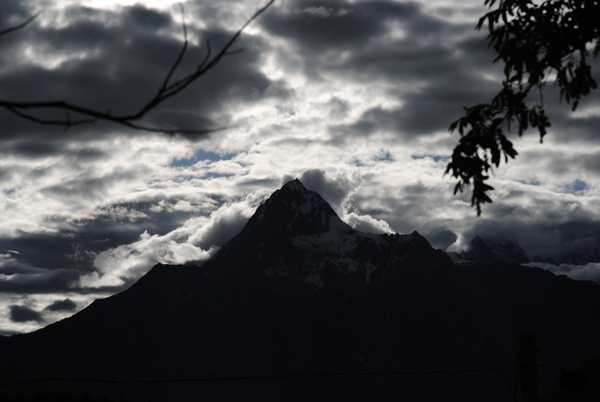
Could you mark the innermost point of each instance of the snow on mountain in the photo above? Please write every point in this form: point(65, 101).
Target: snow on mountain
point(293, 209)
point(489, 250)
point(485, 249)
point(301, 229)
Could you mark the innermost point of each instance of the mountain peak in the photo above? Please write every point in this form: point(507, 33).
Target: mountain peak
point(293, 209)
point(485, 249)
point(294, 185)
point(477, 239)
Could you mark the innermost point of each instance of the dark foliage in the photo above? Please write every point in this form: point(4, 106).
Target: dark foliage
point(535, 41)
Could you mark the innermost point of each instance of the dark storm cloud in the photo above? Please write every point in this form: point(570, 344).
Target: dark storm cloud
point(419, 56)
point(338, 108)
point(43, 281)
point(62, 305)
point(39, 250)
point(370, 122)
point(43, 263)
point(353, 40)
point(254, 184)
point(24, 314)
point(89, 188)
point(69, 250)
point(333, 190)
point(566, 130)
point(441, 238)
point(591, 161)
point(19, 277)
point(411, 203)
point(222, 228)
point(29, 149)
point(77, 249)
point(430, 108)
point(426, 113)
point(12, 13)
point(557, 163)
point(409, 207)
point(337, 25)
point(122, 58)
point(131, 222)
point(145, 18)
point(322, 33)
point(77, 246)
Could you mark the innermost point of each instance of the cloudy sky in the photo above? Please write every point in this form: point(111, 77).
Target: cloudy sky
point(352, 97)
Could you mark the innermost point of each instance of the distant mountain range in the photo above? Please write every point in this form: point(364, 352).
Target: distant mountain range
point(298, 294)
point(489, 250)
point(580, 257)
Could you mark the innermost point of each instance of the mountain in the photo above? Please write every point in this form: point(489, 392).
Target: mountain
point(580, 257)
point(488, 250)
point(300, 291)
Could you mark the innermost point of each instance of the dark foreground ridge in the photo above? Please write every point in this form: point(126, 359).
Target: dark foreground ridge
point(300, 291)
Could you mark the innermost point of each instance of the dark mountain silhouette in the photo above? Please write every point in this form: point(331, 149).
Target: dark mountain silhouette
point(298, 290)
point(488, 250)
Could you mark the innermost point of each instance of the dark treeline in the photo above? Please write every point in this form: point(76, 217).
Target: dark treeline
point(42, 396)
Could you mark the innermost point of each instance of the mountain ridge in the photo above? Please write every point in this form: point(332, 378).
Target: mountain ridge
point(484, 249)
point(299, 290)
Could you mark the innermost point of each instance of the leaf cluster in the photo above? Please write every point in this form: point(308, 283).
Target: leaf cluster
point(535, 42)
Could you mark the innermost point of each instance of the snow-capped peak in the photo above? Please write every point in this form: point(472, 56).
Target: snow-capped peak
point(293, 209)
point(295, 185)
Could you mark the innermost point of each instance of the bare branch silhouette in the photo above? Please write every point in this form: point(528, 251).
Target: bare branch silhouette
point(21, 25)
point(166, 91)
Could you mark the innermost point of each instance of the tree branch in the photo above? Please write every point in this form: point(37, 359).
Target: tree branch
point(534, 42)
point(166, 90)
point(21, 25)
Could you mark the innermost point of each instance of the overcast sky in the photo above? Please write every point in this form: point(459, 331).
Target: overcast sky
point(352, 97)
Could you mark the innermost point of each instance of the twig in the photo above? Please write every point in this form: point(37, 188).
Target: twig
point(166, 90)
point(21, 25)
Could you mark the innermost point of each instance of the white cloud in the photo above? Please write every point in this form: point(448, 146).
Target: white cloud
point(129, 262)
point(318, 11)
point(367, 224)
point(323, 12)
point(121, 213)
point(195, 241)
